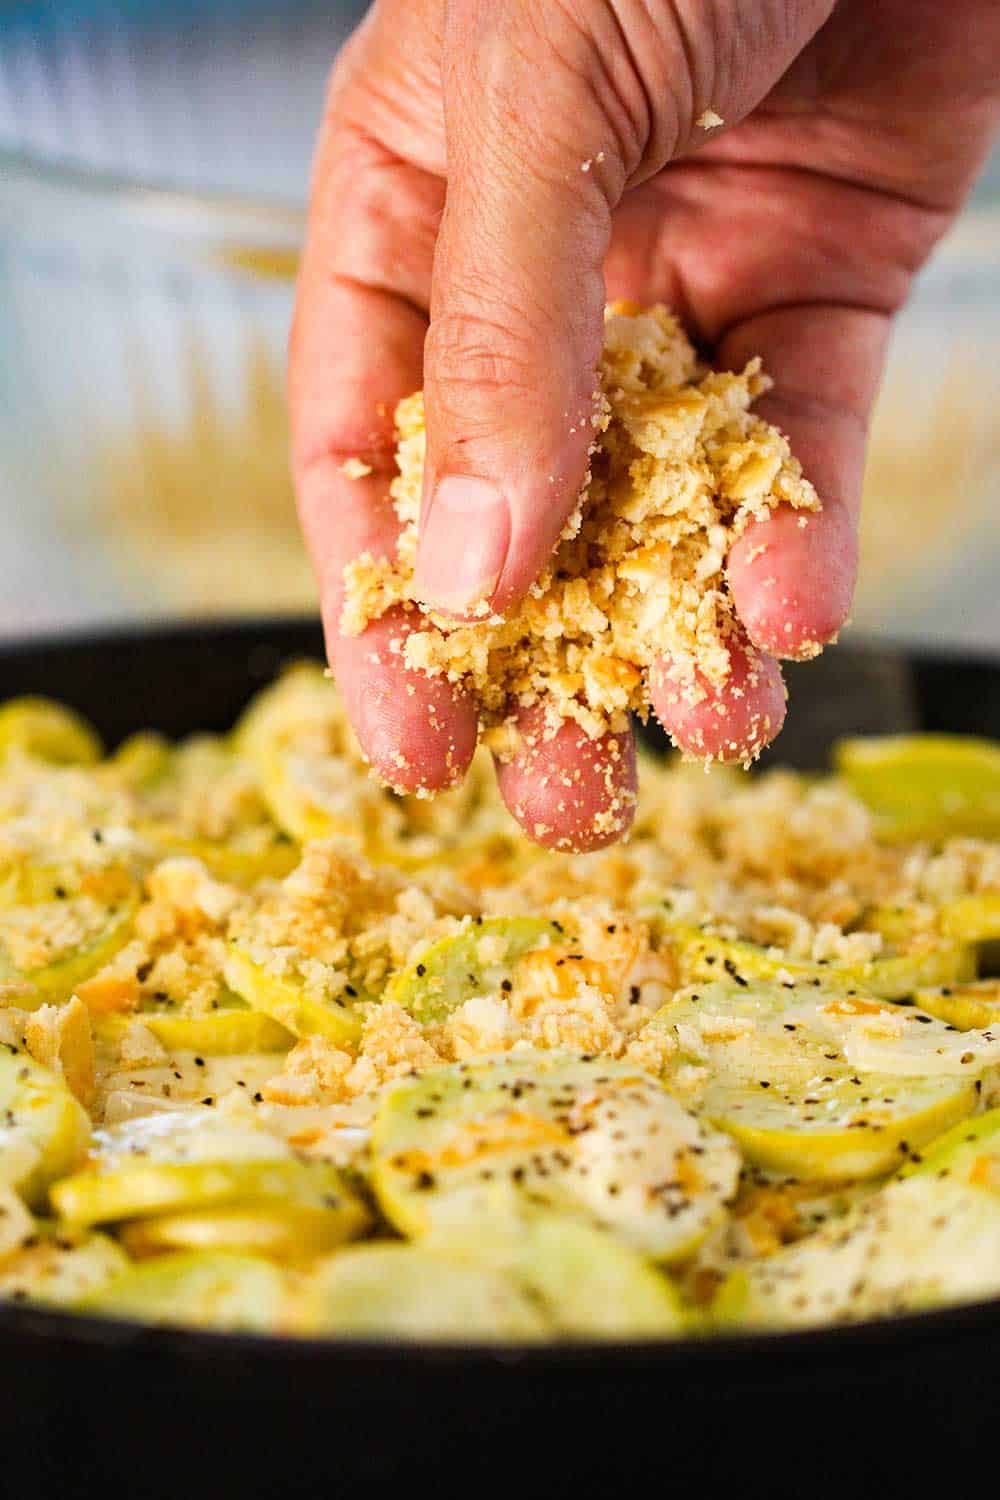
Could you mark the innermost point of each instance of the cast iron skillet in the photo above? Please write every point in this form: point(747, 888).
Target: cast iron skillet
point(92, 1407)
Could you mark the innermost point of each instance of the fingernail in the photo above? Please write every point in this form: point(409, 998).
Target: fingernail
point(463, 544)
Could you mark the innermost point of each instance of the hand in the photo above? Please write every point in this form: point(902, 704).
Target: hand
point(852, 134)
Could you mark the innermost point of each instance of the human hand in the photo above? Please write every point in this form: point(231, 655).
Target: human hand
point(566, 133)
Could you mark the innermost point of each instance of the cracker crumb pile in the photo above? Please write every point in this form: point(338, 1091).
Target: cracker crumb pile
point(679, 468)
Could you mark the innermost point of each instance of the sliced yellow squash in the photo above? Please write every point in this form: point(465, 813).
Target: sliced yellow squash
point(54, 982)
point(973, 919)
point(705, 957)
point(229, 1031)
point(309, 767)
point(163, 1187)
point(902, 924)
point(39, 880)
point(915, 1244)
point(338, 1018)
point(311, 798)
point(879, 1037)
point(196, 1159)
point(600, 1141)
point(241, 863)
point(589, 1284)
point(968, 1152)
point(17, 1222)
point(44, 1131)
point(200, 1290)
point(412, 1291)
point(925, 785)
point(48, 731)
point(965, 1006)
point(301, 703)
point(60, 1267)
point(771, 1071)
point(291, 1232)
point(139, 761)
point(474, 961)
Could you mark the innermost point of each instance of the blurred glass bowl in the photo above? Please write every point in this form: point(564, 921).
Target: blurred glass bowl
point(931, 517)
point(143, 435)
point(142, 415)
point(143, 320)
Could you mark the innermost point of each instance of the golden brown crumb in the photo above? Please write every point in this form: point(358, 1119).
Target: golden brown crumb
point(139, 1048)
point(59, 1036)
point(320, 1058)
point(679, 469)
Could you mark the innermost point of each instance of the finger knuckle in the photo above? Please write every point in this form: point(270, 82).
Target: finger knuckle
point(470, 352)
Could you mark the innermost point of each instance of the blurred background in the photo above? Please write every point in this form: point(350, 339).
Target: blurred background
point(154, 157)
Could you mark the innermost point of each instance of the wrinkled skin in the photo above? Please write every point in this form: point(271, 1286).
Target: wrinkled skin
point(852, 134)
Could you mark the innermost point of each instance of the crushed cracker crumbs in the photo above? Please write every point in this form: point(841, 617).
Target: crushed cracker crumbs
point(679, 468)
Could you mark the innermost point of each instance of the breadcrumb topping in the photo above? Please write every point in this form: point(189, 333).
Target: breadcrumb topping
point(679, 467)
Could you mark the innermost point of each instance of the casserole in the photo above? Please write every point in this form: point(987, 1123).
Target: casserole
point(95, 1404)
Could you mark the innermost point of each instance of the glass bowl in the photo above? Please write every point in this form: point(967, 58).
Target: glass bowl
point(142, 412)
point(931, 516)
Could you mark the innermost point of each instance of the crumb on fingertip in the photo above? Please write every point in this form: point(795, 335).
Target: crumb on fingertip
point(679, 468)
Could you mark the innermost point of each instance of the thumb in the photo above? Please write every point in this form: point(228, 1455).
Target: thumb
point(549, 116)
point(516, 309)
